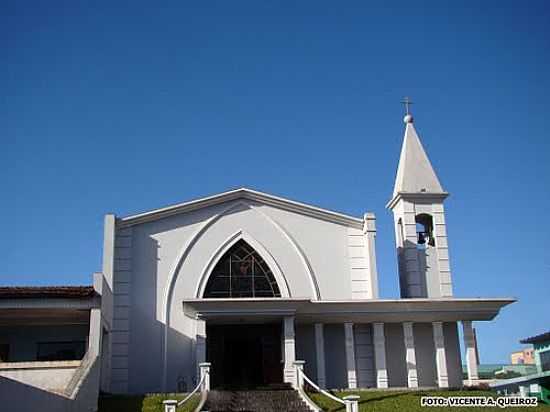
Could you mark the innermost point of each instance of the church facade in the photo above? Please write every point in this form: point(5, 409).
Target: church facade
point(252, 282)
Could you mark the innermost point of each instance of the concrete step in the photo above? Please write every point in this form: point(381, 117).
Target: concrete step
point(255, 401)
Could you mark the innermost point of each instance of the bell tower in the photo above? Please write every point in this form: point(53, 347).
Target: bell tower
point(419, 217)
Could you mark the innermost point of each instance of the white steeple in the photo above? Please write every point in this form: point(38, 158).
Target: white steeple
point(420, 225)
point(415, 173)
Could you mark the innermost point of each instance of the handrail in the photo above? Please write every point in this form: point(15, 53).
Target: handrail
point(170, 405)
point(201, 382)
point(351, 402)
point(331, 396)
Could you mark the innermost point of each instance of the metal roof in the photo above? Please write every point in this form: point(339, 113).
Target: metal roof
point(543, 337)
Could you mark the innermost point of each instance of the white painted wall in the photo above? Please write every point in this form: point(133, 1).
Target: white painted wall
point(31, 391)
point(159, 264)
point(336, 356)
point(453, 355)
point(364, 356)
point(395, 355)
point(305, 348)
point(419, 275)
point(44, 375)
point(425, 354)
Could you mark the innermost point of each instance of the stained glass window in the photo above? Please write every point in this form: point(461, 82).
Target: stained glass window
point(241, 273)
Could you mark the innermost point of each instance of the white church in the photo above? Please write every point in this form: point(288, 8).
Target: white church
point(249, 283)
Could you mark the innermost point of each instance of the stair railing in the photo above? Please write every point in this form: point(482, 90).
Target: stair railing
point(351, 402)
point(170, 405)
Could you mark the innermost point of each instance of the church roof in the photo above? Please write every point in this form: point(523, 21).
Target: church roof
point(415, 173)
point(41, 292)
point(244, 193)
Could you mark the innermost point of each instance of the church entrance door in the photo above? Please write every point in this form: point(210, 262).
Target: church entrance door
point(244, 355)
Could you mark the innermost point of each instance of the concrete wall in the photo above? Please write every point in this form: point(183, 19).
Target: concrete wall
point(335, 356)
point(22, 397)
point(23, 339)
point(364, 356)
point(305, 348)
point(45, 375)
point(424, 273)
point(159, 264)
point(452, 353)
point(395, 355)
point(425, 354)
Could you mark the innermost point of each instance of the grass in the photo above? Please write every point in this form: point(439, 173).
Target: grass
point(382, 401)
point(143, 403)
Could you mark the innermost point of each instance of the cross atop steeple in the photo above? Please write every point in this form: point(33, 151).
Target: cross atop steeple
point(407, 102)
point(415, 173)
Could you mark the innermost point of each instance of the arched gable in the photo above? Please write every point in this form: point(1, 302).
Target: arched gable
point(185, 278)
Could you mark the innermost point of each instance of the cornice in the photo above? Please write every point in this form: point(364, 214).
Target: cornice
point(423, 196)
point(242, 193)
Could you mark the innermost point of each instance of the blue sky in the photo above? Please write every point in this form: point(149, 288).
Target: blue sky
point(125, 108)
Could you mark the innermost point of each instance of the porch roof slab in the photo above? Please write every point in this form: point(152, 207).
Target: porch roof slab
point(49, 297)
point(41, 292)
point(40, 316)
point(336, 311)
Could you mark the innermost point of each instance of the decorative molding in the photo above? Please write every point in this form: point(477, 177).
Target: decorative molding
point(243, 193)
point(305, 261)
point(418, 196)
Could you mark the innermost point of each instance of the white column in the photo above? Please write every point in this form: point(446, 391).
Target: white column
point(320, 355)
point(350, 356)
point(205, 372)
point(95, 332)
point(170, 405)
point(440, 356)
point(369, 229)
point(289, 373)
point(410, 355)
point(471, 353)
point(380, 355)
point(200, 345)
point(352, 403)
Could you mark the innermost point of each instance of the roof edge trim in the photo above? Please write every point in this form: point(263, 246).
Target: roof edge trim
point(242, 193)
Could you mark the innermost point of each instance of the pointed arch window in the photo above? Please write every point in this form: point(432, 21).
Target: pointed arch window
point(241, 273)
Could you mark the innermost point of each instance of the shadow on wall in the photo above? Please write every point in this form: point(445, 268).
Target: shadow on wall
point(21, 397)
point(143, 367)
point(422, 259)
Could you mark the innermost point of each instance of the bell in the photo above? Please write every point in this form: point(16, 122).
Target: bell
point(421, 238)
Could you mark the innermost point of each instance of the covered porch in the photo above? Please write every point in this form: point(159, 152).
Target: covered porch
point(345, 344)
point(50, 345)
